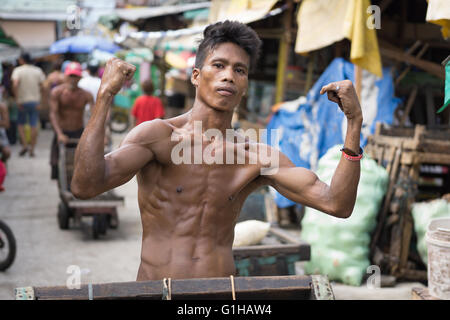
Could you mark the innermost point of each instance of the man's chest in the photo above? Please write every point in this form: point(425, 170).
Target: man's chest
point(72, 101)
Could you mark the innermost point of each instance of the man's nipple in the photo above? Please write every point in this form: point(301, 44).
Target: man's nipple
point(179, 189)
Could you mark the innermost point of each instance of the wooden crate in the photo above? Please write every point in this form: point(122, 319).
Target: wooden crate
point(245, 288)
point(271, 259)
point(422, 294)
point(402, 151)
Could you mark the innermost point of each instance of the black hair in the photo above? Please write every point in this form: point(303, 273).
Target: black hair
point(147, 87)
point(229, 31)
point(92, 69)
point(26, 57)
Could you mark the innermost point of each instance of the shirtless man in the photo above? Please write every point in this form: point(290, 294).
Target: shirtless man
point(67, 105)
point(54, 79)
point(188, 211)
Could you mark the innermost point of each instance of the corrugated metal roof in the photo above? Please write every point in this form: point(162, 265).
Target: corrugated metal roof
point(176, 40)
point(42, 10)
point(134, 14)
point(36, 6)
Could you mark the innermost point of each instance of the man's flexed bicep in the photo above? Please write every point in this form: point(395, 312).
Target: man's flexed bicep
point(122, 164)
point(304, 186)
point(115, 168)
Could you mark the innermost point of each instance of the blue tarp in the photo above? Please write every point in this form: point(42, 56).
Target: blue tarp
point(83, 44)
point(306, 134)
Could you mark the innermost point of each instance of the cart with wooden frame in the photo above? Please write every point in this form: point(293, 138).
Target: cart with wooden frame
point(275, 256)
point(314, 287)
point(102, 209)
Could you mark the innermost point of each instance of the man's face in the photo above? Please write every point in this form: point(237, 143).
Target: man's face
point(73, 80)
point(223, 79)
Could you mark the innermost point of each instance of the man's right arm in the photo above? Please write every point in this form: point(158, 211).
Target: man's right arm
point(95, 173)
point(15, 84)
point(4, 116)
point(54, 114)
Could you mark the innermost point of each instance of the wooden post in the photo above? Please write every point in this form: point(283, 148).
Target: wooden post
point(283, 53)
point(409, 104)
point(309, 72)
point(431, 110)
point(358, 81)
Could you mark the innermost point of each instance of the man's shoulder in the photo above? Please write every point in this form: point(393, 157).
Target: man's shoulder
point(149, 133)
point(57, 90)
point(30, 67)
point(156, 129)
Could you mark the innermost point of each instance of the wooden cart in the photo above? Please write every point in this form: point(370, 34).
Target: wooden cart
point(315, 287)
point(102, 209)
point(275, 256)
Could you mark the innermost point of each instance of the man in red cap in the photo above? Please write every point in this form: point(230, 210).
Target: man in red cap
point(67, 105)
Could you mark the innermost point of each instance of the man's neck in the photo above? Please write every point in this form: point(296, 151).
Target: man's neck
point(210, 118)
point(71, 88)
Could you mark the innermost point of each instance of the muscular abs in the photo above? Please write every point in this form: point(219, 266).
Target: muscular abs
point(188, 213)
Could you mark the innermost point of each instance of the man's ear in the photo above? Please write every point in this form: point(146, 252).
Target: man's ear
point(194, 76)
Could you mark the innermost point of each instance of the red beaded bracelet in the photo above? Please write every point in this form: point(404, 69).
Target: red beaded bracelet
point(352, 158)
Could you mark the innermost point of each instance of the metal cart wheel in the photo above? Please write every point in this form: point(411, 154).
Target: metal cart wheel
point(63, 216)
point(119, 122)
point(7, 246)
point(99, 225)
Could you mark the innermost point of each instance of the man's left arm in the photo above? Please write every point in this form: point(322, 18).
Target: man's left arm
point(303, 186)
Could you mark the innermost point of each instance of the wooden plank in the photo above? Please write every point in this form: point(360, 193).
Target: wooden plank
point(321, 288)
point(387, 199)
point(273, 288)
point(271, 208)
point(283, 53)
point(358, 81)
point(420, 157)
point(414, 275)
point(431, 108)
point(422, 294)
point(409, 104)
point(406, 71)
point(95, 210)
point(62, 174)
point(94, 203)
point(398, 55)
point(303, 250)
point(283, 235)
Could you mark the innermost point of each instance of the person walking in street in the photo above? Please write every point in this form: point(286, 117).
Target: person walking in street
point(27, 85)
point(67, 106)
point(147, 107)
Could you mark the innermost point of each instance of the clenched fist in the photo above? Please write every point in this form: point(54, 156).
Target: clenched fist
point(344, 94)
point(116, 73)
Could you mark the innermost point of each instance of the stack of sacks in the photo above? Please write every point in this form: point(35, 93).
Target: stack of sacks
point(340, 247)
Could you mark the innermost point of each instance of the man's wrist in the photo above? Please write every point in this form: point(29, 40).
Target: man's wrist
point(105, 94)
point(354, 124)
